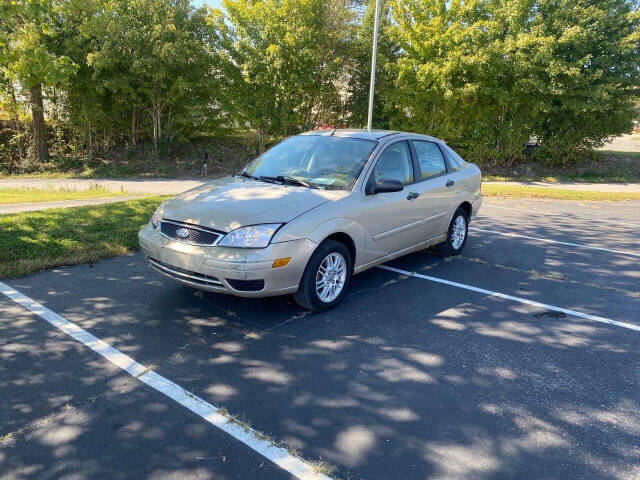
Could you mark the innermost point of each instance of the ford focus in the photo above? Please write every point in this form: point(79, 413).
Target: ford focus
point(313, 211)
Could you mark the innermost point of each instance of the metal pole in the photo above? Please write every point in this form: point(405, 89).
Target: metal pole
point(374, 54)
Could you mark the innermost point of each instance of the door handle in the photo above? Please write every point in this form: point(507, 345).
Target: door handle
point(450, 183)
point(412, 195)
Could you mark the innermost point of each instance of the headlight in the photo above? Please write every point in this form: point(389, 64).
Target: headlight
point(255, 236)
point(157, 215)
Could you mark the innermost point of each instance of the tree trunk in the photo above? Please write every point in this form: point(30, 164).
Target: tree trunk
point(155, 130)
point(260, 140)
point(159, 120)
point(90, 140)
point(17, 126)
point(157, 127)
point(18, 129)
point(133, 128)
point(41, 151)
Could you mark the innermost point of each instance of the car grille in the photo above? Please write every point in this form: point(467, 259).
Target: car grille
point(185, 275)
point(194, 235)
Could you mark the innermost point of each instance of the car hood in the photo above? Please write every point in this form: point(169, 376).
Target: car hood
point(232, 202)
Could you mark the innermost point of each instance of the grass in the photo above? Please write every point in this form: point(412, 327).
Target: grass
point(518, 191)
point(605, 166)
point(34, 195)
point(33, 241)
point(565, 177)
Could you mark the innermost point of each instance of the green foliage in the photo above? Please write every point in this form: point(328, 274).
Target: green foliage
point(117, 70)
point(283, 62)
point(26, 47)
point(593, 76)
point(488, 76)
point(154, 54)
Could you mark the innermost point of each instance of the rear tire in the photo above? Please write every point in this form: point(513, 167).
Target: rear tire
point(323, 288)
point(456, 235)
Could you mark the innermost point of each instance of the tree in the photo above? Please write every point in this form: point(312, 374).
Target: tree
point(466, 73)
point(284, 62)
point(593, 76)
point(28, 58)
point(9, 104)
point(487, 75)
point(155, 53)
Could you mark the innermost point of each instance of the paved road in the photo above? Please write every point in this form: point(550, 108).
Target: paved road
point(408, 379)
point(155, 186)
point(624, 143)
point(589, 187)
point(32, 207)
point(175, 186)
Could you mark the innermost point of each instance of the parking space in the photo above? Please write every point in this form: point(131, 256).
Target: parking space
point(408, 378)
point(67, 413)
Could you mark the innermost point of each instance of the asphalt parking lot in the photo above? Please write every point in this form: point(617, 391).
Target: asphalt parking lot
point(415, 376)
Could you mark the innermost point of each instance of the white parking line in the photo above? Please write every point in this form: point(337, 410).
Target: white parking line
point(573, 313)
point(547, 240)
point(214, 415)
point(542, 212)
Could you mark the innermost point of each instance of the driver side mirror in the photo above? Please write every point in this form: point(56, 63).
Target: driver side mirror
point(384, 186)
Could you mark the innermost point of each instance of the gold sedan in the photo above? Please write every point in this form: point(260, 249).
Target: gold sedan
point(314, 210)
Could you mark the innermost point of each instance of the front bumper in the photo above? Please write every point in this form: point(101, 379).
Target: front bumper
point(219, 269)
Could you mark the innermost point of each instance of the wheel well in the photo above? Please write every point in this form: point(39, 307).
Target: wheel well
point(466, 206)
point(347, 241)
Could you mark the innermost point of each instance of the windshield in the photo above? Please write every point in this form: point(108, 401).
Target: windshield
point(318, 161)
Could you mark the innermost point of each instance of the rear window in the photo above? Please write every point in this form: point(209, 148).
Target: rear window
point(455, 161)
point(430, 159)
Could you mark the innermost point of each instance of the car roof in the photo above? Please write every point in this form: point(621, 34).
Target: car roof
point(363, 133)
point(352, 133)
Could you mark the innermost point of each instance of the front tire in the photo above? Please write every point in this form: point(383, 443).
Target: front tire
point(326, 277)
point(456, 235)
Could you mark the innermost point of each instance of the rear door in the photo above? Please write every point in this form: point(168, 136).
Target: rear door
point(436, 191)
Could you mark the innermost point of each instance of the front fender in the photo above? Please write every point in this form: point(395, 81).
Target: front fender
point(317, 233)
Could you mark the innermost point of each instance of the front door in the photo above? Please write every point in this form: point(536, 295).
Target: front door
point(392, 220)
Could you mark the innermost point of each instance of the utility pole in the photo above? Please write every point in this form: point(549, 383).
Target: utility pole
point(374, 54)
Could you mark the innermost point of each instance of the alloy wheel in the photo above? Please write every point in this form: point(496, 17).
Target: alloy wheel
point(459, 232)
point(331, 276)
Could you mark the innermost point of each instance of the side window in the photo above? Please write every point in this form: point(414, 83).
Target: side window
point(453, 163)
point(394, 164)
point(430, 159)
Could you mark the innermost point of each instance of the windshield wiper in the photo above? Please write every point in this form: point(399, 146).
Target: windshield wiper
point(262, 179)
point(289, 180)
point(284, 179)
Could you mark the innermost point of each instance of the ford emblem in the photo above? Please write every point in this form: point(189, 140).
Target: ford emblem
point(182, 232)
